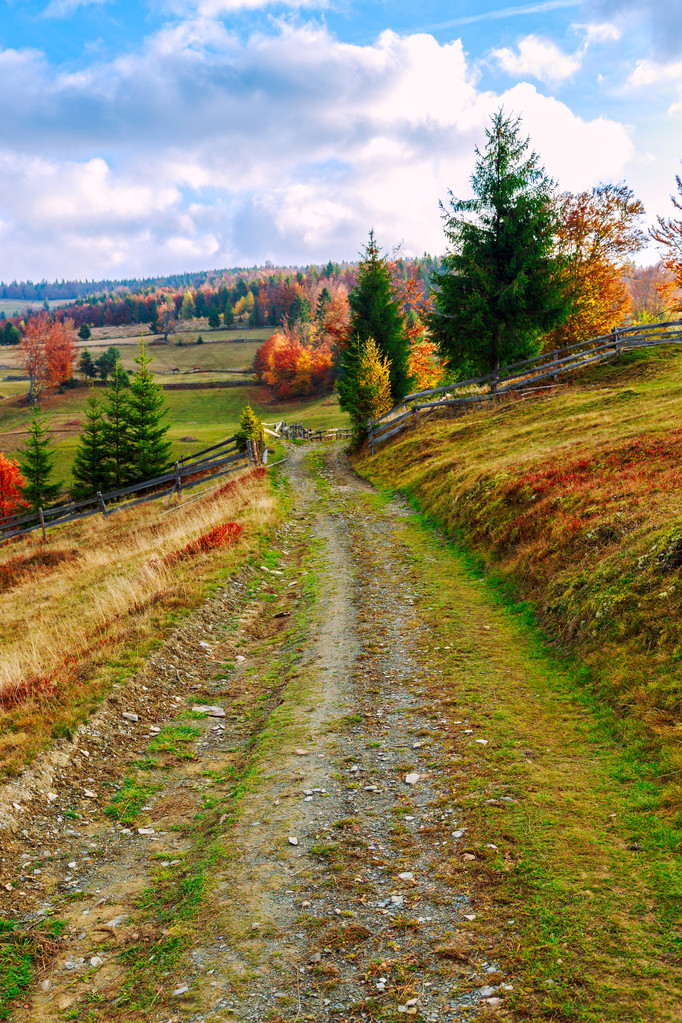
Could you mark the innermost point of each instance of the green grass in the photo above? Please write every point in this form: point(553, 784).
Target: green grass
point(573, 501)
point(19, 951)
point(577, 880)
point(208, 415)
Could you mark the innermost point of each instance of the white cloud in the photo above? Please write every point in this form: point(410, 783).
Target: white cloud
point(604, 32)
point(64, 8)
point(649, 72)
point(539, 58)
point(205, 150)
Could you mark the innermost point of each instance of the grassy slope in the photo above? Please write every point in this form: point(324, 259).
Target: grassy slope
point(574, 500)
point(208, 415)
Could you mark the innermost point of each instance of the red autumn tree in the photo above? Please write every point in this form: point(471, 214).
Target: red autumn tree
point(47, 353)
point(12, 484)
point(423, 364)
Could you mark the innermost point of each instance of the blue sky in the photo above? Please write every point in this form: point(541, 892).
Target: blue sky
point(160, 136)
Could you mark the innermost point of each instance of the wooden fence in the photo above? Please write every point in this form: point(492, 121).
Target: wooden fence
point(520, 377)
point(297, 431)
point(189, 472)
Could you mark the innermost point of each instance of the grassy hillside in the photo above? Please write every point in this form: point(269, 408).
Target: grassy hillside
point(206, 415)
point(574, 501)
point(102, 593)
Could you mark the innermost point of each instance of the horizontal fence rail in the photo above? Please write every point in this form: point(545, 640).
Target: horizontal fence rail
point(522, 377)
point(297, 431)
point(188, 472)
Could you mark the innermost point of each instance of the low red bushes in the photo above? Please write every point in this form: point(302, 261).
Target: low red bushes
point(221, 536)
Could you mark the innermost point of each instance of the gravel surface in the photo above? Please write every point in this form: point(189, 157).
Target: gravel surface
point(333, 900)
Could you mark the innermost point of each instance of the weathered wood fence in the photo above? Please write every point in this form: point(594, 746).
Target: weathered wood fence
point(188, 472)
point(297, 431)
point(520, 376)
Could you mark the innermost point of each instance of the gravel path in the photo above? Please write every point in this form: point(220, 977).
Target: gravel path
point(333, 899)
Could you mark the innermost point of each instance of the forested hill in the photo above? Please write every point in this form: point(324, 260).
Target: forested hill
point(72, 289)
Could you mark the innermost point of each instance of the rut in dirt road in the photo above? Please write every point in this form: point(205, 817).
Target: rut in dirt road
point(337, 886)
point(360, 919)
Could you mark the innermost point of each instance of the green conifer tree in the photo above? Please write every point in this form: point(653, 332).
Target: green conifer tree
point(116, 436)
point(145, 410)
point(375, 312)
point(91, 465)
point(36, 460)
point(501, 285)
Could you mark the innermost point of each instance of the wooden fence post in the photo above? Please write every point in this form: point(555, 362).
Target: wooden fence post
point(415, 410)
point(617, 342)
point(370, 435)
point(555, 360)
point(42, 524)
point(494, 380)
point(249, 448)
point(102, 505)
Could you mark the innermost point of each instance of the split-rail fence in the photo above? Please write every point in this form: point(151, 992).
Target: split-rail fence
point(519, 377)
point(188, 472)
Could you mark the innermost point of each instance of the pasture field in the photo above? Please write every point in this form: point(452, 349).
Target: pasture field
point(16, 306)
point(206, 415)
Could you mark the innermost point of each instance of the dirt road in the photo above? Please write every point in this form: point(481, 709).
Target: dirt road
point(262, 826)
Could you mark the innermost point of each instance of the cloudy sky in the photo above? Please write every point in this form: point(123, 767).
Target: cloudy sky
point(157, 136)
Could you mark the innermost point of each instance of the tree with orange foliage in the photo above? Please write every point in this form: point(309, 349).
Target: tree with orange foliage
point(423, 364)
point(47, 354)
point(598, 232)
point(12, 484)
point(668, 233)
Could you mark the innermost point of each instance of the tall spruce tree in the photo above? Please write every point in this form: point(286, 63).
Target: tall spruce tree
point(500, 287)
point(116, 436)
point(36, 460)
point(375, 313)
point(91, 465)
point(149, 451)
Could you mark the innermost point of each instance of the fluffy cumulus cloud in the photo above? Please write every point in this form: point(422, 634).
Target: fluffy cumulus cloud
point(537, 58)
point(207, 150)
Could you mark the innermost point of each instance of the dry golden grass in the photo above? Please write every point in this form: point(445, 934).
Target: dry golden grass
point(60, 623)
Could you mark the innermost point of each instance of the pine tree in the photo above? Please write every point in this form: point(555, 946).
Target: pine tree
point(213, 318)
point(91, 465)
point(375, 312)
point(116, 437)
point(145, 409)
point(501, 286)
point(36, 460)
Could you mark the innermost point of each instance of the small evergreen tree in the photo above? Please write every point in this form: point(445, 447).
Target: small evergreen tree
point(86, 366)
point(116, 435)
point(375, 312)
point(106, 362)
point(213, 318)
point(228, 316)
point(250, 428)
point(36, 460)
point(501, 286)
point(91, 465)
point(84, 332)
point(145, 410)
